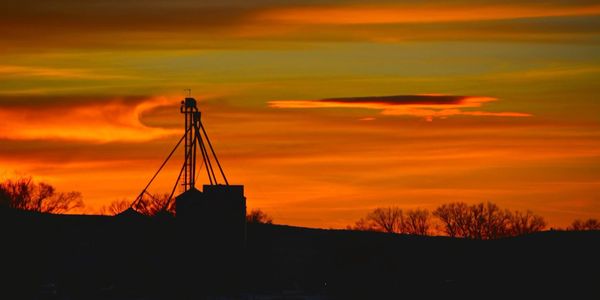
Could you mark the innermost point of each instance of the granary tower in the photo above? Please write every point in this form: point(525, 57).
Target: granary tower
point(217, 214)
point(211, 218)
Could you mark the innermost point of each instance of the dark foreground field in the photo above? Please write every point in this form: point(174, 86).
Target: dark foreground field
point(133, 257)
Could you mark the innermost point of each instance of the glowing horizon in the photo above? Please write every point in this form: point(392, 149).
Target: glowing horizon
point(323, 110)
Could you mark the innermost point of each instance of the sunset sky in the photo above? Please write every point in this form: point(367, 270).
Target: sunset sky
point(323, 109)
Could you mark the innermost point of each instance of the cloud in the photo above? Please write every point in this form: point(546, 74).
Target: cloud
point(339, 165)
point(428, 106)
point(34, 71)
point(187, 24)
point(411, 13)
point(81, 119)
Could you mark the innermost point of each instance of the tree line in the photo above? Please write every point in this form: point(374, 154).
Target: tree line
point(26, 194)
point(458, 219)
point(476, 221)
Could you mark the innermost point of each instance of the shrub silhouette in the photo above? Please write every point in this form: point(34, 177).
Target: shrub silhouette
point(114, 208)
point(589, 224)
point(257, 216)
point(363, 224)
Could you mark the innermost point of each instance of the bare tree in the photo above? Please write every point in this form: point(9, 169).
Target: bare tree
point(589, 224)
point(478, 221)
point(388, 219)
point(257, 216)
point(525, 223)
point(454, 217)
point(488, 221)
point(417, 222)
point(363, 224)
point(114, 208)
point(154, 204)
point(25, 194)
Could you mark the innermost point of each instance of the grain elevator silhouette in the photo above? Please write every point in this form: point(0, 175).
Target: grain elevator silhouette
point(213, 219)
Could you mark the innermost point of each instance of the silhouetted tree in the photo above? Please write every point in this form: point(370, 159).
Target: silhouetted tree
point(478, 221)
point(417, 222)
point(388, 219)
point(363, 224)
point(455, 218)
point(589, 224)
point(154, 204)
point(25, 194)
point(525, 223)
point(115, 207)
point(257, 216)
point(488, 221)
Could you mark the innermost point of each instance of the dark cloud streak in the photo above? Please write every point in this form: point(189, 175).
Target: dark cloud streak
point(56, 102)
point(401, 99)
point(423, 106)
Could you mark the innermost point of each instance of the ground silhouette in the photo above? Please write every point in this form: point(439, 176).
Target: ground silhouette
point(132, 256)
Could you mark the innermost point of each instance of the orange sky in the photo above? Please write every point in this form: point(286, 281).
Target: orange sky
point(324, 110)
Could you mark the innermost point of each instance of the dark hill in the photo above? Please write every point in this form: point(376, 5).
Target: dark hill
point(126, 257)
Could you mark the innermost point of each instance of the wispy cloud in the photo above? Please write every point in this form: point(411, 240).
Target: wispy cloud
point(411, 13)
point(427, 106)
point(35, 71)
point(130, 24)
point(108, 120)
